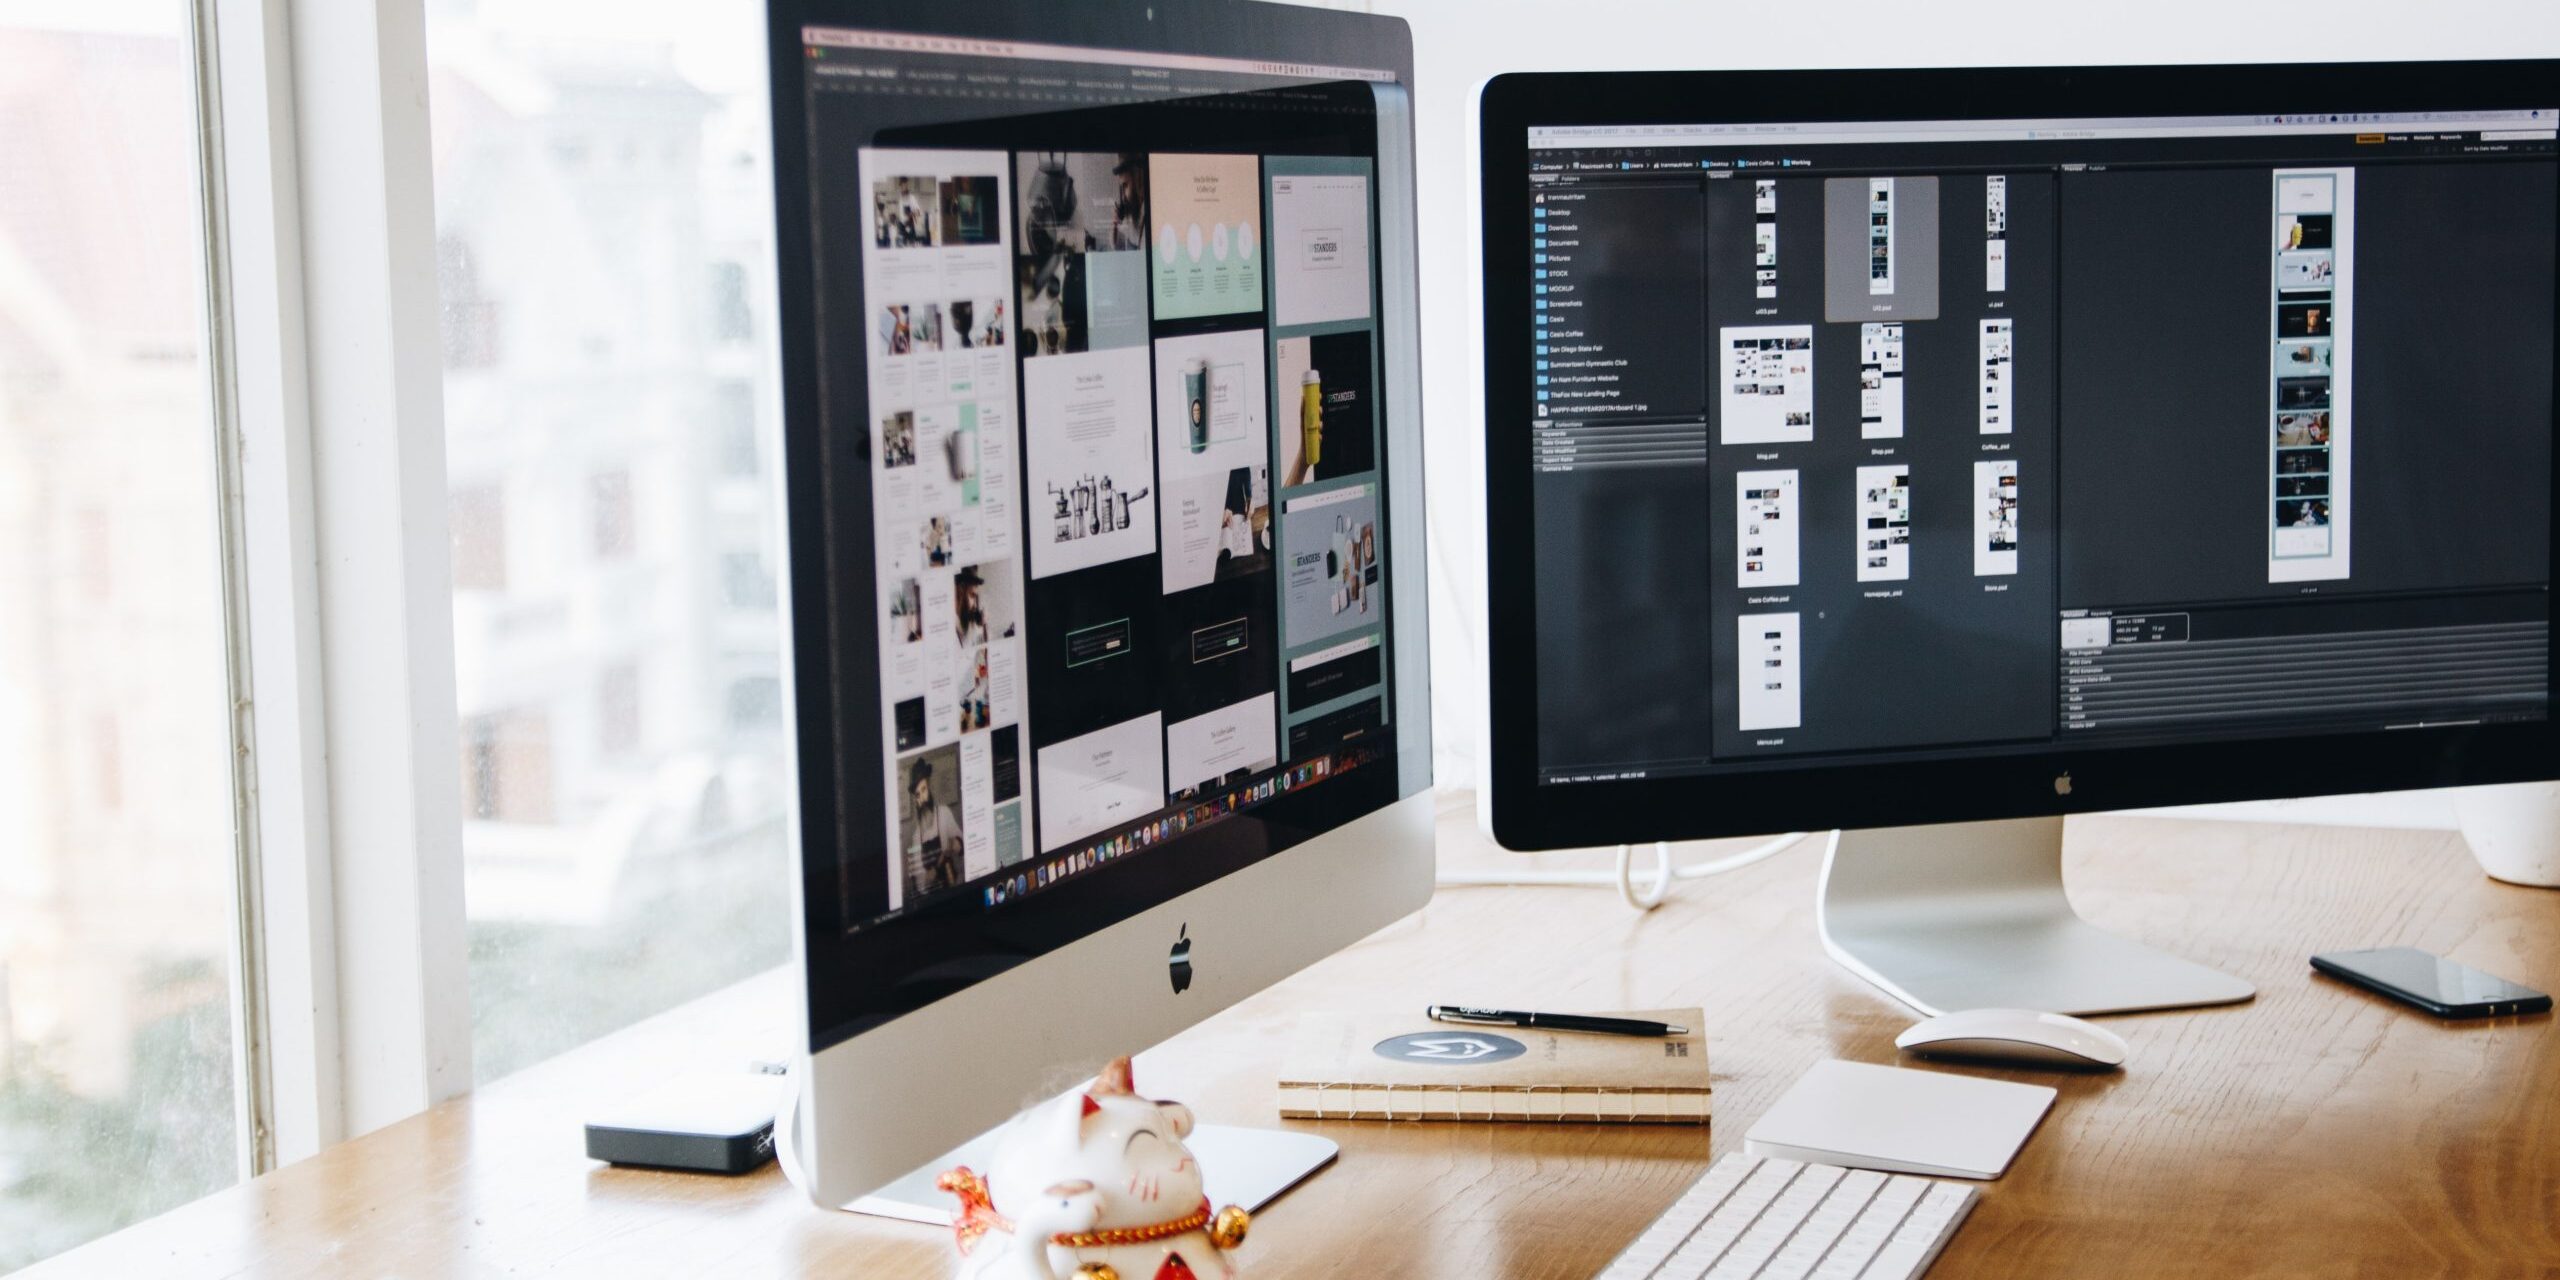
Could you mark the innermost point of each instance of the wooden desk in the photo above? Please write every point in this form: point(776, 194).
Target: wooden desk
point(2318, 1131)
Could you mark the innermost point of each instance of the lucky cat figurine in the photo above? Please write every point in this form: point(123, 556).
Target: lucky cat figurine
point(1094, 1186)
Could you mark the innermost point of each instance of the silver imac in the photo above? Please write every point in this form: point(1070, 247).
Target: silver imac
point(1104, 489)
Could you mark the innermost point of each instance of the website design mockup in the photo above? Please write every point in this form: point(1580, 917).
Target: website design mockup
point(1126, 499)
point(1770, 397)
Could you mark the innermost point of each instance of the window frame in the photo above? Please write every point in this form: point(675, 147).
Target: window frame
point(326, 358)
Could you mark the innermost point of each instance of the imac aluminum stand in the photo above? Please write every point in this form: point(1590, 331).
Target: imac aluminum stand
point(1248, 1168)
point(1972, 916)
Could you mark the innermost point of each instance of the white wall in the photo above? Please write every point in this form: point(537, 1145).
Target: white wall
point(1458, 44)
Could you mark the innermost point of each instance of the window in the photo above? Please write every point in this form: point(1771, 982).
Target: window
point(470, 318)
point(605, 194)
point(755, 703)
point(748, 583)
point(615, 534)
point(479, 538)
point(731, 319)
point(95, 561)
point(107, 743)
point(733, 422)
point(116, 1023)
point(506, 769)
point(618, 709)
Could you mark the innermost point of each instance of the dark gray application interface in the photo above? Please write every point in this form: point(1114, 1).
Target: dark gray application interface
point(1917, 439)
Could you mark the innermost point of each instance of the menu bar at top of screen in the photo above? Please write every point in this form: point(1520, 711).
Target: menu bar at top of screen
point(1027, 51)
point(2508, 125)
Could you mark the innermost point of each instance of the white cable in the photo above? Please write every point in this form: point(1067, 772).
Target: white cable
point(786, 1142)
point(1762, 851)
point(1622, 878)
point(1661, 889)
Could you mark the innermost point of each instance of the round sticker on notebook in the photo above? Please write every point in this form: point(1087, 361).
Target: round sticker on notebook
point(1451, 1046)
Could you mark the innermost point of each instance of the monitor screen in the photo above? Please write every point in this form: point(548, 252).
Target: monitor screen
point(1939, 439)
point(1090, 567)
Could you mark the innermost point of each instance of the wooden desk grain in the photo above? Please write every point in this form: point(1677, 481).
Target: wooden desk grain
point(2318, 1131)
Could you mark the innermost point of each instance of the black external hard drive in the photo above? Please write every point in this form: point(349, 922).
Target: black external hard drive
point(713, 1122)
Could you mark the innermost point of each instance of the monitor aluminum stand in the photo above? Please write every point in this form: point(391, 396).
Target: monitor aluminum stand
point(1244, 1167)
point(1972, 915)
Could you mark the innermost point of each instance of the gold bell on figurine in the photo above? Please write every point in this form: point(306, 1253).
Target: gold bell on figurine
point(1097, 1271)
point(1227, 1230)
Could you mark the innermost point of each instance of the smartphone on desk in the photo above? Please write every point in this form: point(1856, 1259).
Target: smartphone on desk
point(2431, 982)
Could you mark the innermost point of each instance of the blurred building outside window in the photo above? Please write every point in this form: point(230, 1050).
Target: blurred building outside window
point(117, 911)
point(605, 254)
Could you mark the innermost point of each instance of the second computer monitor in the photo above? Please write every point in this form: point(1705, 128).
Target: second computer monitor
point(1894, 447)
point(1927, 454)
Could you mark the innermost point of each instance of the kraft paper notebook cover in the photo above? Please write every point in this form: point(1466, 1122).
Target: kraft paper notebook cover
point(1407, 1067)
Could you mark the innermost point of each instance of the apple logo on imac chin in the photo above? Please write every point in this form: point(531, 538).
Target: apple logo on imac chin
point(1180, 960)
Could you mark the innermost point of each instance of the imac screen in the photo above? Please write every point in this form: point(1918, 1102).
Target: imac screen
point(1102, 503)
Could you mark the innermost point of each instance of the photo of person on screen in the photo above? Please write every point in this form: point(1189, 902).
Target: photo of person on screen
point(1129, 206)
point(932, 830)
point(970, 620)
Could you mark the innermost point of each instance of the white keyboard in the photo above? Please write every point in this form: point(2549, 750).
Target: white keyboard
point(1747, 1216)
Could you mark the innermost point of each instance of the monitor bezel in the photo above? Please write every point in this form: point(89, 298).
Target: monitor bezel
point(1524, 814)
point(1097, 900)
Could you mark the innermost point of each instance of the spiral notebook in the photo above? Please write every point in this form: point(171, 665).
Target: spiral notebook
point(1391, 1067)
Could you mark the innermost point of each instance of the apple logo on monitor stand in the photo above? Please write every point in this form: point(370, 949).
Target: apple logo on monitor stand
point(1180, 959)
